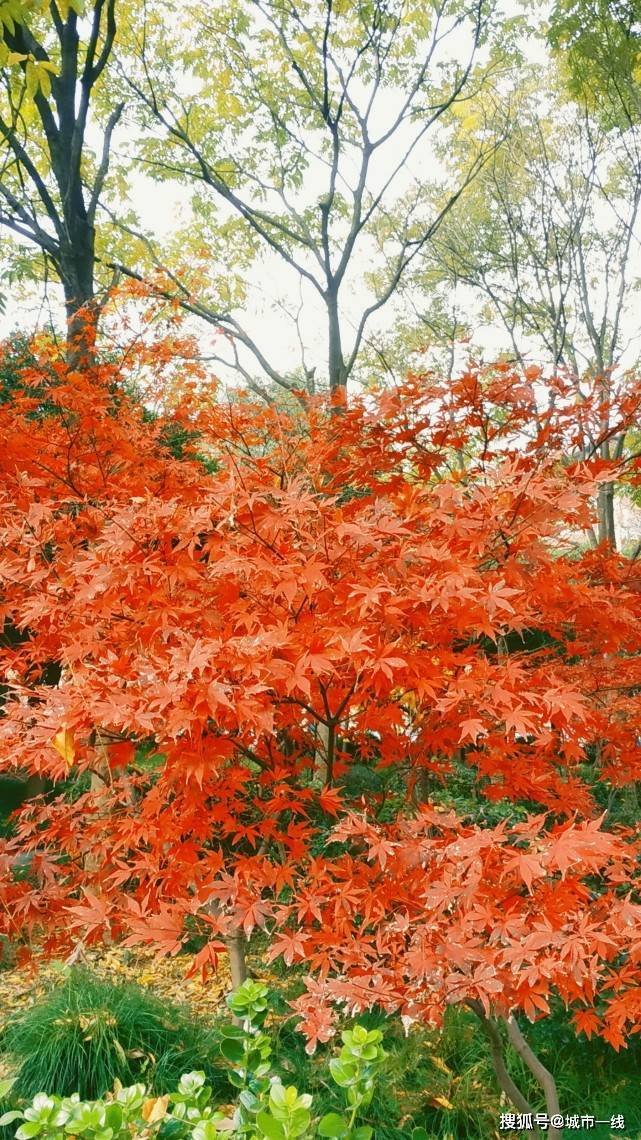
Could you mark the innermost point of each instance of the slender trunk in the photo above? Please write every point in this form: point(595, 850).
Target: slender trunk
point(609, 509)
point(77, 273)
point(237, 958)
point(81, 333)
point(336, 362)
point(320, 754)
point(605, 499)
point(605, 514)
point(538, 1070)
point(508, 1086)
point(236, 949)
point(235, 943)
point(331, 751)
point(421, 787)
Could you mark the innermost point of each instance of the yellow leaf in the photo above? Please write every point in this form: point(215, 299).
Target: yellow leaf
point(439, 1063)
point(44, 82)
point(16, 57)
point(31, 77)
point(155, 1110)
point(441, 1102)
point(64, 744)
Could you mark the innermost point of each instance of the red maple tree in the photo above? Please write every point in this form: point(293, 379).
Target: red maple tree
point(254, 620)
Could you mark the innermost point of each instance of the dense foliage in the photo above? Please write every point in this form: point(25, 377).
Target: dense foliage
point(390, 590)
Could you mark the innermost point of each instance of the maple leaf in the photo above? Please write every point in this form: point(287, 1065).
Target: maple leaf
point(528, 865)
point(162, 930)
point(206, 960)
point(94, 918)
point(380, 850)
point(330, 800)
point(256, 914)
point(291, 945)
point(586, 1021)
point(472, 729)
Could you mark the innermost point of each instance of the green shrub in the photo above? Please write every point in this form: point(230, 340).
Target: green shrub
point(265, 1108)
point(86, 1033)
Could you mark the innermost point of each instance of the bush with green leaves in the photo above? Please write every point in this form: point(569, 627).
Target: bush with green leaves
point(265, 1108)
point(88, 1032)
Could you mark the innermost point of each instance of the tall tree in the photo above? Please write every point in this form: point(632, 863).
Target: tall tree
point(301, 122)
point(208, 621)
point(545, 240)
point(53, 57)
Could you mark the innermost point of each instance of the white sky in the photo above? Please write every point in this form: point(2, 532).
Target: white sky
point(159, 208)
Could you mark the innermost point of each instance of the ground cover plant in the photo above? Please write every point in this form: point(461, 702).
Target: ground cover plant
point(265, 1107)
point(87, 1032)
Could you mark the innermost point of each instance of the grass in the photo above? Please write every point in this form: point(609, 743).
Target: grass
point(86, 1032)
point(444, 1080)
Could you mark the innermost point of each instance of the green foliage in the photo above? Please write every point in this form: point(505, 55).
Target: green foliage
point(600, 41)
point(266, 1109)
point(16, 357)
point(417, 1089)
point(86, 1033)
point(438, 1084)
point(586, 1072)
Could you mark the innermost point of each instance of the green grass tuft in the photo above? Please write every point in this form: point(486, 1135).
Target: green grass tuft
point(86, 1032)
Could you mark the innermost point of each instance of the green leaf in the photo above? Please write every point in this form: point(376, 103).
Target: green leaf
point(234, 1031)
point(299, 1121)
point(41, 1103)
point(332, 1125)
point(9, 1117)
point(344, 1074)
point(420, 1134)
point(205, 1130)
point(249, 1100)
point(270, 1127)
point(363, 1132)
point(171, 1128)
point(114, 1116)
point(232, 1050)
point(6, 1086)
point(29, 1129)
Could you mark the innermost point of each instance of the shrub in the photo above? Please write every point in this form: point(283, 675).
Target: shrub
point(86, 1033)
point(265, 1108)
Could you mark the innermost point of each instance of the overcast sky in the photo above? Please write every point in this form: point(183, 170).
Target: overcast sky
point(161, 206)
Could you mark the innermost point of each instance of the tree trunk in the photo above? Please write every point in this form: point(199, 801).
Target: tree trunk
point(82, 313)
point(237, 958)
point(605, 514)
point(538, 1070)
point(508, 1086)
point(535, 1065)
point(336, 363)
point(320, 754)
point(236, 948)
